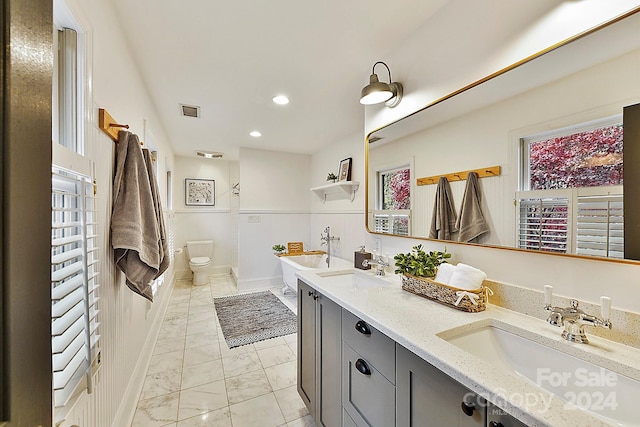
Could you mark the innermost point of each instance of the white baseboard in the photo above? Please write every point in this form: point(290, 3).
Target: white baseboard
point(260, 283)
point(219, 270)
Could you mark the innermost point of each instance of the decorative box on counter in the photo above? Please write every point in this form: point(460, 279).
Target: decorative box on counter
point(471, 301)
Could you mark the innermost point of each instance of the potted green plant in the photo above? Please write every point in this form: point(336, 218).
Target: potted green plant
point(331, 177)
point(419, 263)
point(278, 249)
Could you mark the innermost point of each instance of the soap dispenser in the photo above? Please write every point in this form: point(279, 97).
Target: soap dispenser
point(359, 257)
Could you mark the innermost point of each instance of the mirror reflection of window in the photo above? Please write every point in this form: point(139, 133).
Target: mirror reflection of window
point(571, 191)
point(393, 201)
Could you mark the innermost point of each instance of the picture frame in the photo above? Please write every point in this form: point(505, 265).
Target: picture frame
point(344, 171)
point(199, 192)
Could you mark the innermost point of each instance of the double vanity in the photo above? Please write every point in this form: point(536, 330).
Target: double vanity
point(371, 354)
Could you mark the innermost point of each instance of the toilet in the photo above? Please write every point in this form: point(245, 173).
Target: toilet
point(199, 253)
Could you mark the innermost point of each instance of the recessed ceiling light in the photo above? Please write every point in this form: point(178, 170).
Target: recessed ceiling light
point(281, 100)
point(255, 134)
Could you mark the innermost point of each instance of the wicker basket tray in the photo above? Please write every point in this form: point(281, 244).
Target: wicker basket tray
point(460, 299)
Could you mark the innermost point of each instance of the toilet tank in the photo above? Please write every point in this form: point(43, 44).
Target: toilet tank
point(199, 248)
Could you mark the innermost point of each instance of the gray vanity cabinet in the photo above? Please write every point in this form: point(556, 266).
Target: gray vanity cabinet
point(319, 356)
point(368, 374)
point(426, 397)
point(496, 417)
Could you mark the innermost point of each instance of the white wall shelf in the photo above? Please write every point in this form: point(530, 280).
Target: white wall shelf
point(348, 188)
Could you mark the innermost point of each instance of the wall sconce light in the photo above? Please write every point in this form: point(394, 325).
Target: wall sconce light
point(376, 91)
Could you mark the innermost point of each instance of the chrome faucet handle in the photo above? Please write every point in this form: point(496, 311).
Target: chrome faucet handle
point(548, 295)
point(573, 319)
point(605, 308)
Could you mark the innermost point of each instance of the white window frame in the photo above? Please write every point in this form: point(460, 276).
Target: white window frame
point(387, 216)
point(64, 18)
point(596, 239)
point(77, 160)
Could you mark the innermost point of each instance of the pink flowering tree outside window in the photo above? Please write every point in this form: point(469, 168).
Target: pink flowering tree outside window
point(396, 195)
point(397, 190)
point(585, 159)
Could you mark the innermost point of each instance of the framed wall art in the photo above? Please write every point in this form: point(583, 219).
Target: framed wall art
point(344, 172)
point(199, 192)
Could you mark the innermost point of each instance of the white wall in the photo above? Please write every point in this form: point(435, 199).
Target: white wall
point(584, 279)
point(205, 222)
point(343, 216)
point(129, 323)
point(274, 208)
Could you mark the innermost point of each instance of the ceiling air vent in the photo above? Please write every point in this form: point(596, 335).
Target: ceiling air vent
point(374, 139)
point(209, 154)
point(190, 110)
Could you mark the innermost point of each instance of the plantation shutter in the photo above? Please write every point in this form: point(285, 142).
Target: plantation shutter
point(392, 221)
point(544, 223)
point(600, 226)
point(74, 283)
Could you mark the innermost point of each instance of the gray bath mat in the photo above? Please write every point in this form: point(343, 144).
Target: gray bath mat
point(253, 317)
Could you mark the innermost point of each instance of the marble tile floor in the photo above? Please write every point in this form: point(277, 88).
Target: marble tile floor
point(194, 379)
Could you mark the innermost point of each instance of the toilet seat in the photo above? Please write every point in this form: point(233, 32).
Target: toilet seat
point(202, 260)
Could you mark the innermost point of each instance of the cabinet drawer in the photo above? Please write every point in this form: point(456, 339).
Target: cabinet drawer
point(378, 349)
point(367, 396)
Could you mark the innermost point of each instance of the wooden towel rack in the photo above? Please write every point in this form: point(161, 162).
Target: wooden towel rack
point(109, 125)
point(459, 176)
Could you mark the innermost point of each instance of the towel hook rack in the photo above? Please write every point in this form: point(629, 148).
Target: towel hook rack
point(118, 125)
point(109, 125)
point(460, 176)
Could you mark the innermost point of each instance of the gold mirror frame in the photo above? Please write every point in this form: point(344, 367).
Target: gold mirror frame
point(465, 89)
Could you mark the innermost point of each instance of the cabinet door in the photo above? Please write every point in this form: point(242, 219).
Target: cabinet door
point(307, 345)
point(367, 396)
point(426, 397)
point(328, 352)
point(497, 417)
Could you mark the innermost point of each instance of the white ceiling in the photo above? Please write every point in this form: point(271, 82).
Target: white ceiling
point(231, 57)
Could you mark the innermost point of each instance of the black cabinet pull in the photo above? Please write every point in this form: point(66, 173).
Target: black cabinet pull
point(495, 424)
point(310, 293)
point(361, 366)
point(363, 328)
point(467, 408)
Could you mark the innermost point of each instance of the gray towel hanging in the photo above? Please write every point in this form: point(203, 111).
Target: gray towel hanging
point(471, 221)
point(443, 220)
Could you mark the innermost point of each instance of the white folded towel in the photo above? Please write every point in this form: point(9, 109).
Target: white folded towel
point(467, 277)
point(444, 273)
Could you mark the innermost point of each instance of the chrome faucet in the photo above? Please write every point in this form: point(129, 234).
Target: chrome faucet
point(574, 319)
point(378, 262)
point(325, 239)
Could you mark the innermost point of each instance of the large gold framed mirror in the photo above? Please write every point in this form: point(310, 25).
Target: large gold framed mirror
point(546, 138)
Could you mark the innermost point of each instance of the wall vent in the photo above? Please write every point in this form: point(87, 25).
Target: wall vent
point(190, 110)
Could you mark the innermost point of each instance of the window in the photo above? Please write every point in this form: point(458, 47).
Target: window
point(588, 158)
point(572, 191)
point(74, 230)
point(394, 201)
point(74, 284)
point(68, 79)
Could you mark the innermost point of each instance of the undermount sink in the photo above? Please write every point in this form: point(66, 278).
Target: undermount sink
point(357, 279)
point(604, 393)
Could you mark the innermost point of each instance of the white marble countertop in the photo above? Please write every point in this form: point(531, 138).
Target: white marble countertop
point(416, 323)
